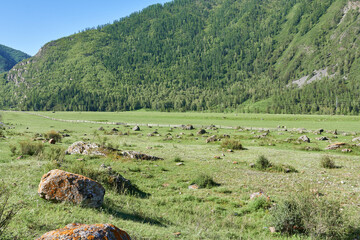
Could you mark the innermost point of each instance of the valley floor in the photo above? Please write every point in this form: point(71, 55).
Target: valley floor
point(171, 210)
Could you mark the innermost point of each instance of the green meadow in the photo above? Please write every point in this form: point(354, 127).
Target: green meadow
point(169, 209)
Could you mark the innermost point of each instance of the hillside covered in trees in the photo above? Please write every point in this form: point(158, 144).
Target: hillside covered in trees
point(217, 55)
point(10, 57)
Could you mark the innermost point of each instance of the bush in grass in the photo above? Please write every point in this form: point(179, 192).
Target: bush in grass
point(178, 159)
point(327, 162)
point(13, 149)
point(262, 163)
point(53, 154)
point(7, 212)
point(205, 181)
point(306, 213)
point(53, 135)
point(231, 144)
point(30, 148)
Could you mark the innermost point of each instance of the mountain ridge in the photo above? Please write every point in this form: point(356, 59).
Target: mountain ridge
point(9, 57)
point(216, 55)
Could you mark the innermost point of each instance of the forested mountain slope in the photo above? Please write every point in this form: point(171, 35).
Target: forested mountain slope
point(10, 57)
point(202, 55)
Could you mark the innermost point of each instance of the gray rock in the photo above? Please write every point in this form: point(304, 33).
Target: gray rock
point(211, 139)
point(201, 131)
point(138, 155)
point(322, 138)
point(85, 149)
point(304, 138)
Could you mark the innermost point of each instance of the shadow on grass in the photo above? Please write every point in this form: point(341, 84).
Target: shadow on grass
point(110, 207)
point(134, 191)
point(353, 233)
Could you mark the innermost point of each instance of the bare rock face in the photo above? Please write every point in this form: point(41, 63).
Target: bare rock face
point(85, 149)
point(304, 138)
point(83, 231)
point(61, 186)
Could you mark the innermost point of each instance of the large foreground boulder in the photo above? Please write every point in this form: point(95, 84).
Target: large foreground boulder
point(82, 232)
point(61, 186)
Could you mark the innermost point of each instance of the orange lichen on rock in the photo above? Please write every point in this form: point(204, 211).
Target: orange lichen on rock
point(88, 232)
point(60, 186)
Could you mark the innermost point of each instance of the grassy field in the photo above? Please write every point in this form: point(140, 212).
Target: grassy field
point(172, 210)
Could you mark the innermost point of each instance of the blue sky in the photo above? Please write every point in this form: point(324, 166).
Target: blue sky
point(27, 25)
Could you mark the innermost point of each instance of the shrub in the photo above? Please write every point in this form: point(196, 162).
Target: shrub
point(259, 203)
point(231, 144)
point(53, 135)
point(13, 148)
point(205, 181)
point(327, 162)
point(7, 212)
point(30, 148)
point(307, 213)
point(54, 154)
point(262, 163)
point(178, 159)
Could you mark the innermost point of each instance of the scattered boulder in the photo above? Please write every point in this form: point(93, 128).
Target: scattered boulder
point(357, 139)
point(179, 164)
point(258, 194)
point(301, 130)
point(319, 131)
point(122, 184)
point(188, 127)
point(211, 139)
point(335, 146)
point(304, 138)
point(52, 141)
point(194, 186)
point(83, 231)
point(101, 129)
point(61, 186)
point(322, 138)
point(114, 129)
point(85, 149)
point(226, 136)
point(138, 155)
point(136, 128)
point(201, 132)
